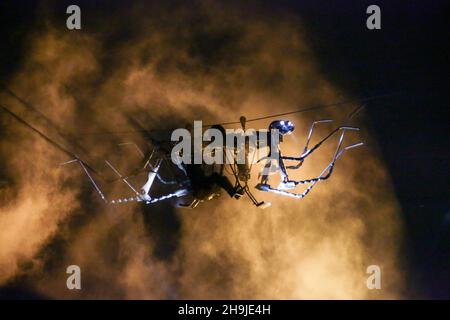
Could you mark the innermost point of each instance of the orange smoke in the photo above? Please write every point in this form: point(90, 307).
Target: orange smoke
point(318, 247)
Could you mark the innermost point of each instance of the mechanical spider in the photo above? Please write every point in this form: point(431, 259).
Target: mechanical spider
point(194, 185)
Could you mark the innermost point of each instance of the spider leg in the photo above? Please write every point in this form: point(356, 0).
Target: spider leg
point(308, 139)
point(325, 174)
point(179, 193)
point(315, 147)
point(86, 168)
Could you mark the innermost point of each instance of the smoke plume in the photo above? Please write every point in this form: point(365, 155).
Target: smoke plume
point(156, 67)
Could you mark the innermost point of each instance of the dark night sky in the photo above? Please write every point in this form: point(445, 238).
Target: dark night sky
point(409, 55)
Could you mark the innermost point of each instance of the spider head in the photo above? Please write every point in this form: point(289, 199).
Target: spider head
point(284, 127)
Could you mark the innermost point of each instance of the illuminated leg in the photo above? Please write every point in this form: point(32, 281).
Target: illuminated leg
point(310, 151)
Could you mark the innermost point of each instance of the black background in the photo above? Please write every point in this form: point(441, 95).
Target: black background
point(408, 55)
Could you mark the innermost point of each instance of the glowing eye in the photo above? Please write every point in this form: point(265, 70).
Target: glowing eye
point(282, 122)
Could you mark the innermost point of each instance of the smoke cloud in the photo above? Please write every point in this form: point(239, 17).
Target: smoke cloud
point(160, 68)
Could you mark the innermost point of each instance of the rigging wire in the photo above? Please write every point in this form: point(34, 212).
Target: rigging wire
point(307, 109)
point(264, 117)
